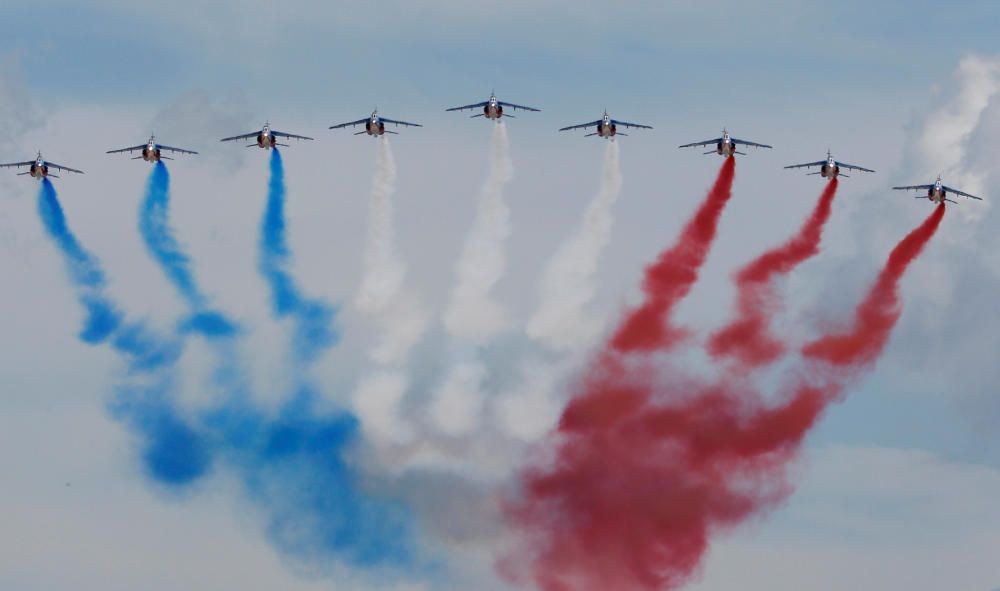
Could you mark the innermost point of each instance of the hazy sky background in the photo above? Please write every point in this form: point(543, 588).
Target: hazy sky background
point(897, 487)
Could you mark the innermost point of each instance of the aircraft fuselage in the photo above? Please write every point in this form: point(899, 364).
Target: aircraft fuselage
point(151, 153)
point(39, 170)
point(607, 128)
point(375, 127)
point(265, 140)
point(725, 147)
point(830, 170)
point(493, 110)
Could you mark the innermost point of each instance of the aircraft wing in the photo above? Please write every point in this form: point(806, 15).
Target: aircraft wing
point(516, 107)
point(915, 187)
point(17, 164)
point(350, 124)
point(473, 106)
point(807, 164)
point(627, 124)
point(394, 122)
point(176, 150)
point(747, 143)
point(853, 167)
point(963, 194)
point(704, 143)
point(61, 167)
point(132, 149)
point(289, 135)
point(245, 136)
point(582, 125)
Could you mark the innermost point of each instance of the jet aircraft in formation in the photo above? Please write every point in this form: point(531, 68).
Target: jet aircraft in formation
point(152, 151)
point(39, 167)
point(937, 192)
point(492, 108)
point(606, 127)
point(830, 168)
point(266, 138)
point(374, 124)
point(726, 145)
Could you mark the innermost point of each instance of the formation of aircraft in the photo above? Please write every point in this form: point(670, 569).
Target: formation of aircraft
point(830, 168)
point(266, 138)
point(39, 167)
point(492, 108)
point(726, 145)
point(937, 192)
point(374, 124)
point(152, 151)
point(606, 127)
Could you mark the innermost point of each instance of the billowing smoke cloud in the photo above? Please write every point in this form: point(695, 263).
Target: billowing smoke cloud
point(649, 461)
point(162, 245)
point(383, 298)
point(313, 329)
point(473, 317)
point(746, 338)
point(561, 321)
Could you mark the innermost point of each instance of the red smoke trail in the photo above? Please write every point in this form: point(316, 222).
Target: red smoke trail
point(878, 313)
point(670, 278)
point(747, 338)
point(648, 464)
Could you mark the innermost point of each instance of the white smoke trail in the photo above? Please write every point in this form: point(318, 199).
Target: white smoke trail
point(381, 295)
point(561, 322)
point(472, 314)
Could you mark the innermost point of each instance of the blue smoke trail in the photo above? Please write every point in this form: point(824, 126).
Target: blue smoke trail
point(104, 320)
point(163, 246)
point(298, 465)
point(170, 450)
point(313, 318)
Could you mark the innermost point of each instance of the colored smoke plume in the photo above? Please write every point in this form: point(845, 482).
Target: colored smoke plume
point(649, 463)
point(747, 337)
point(154, 226)
point(313, 332)
point(671, 277)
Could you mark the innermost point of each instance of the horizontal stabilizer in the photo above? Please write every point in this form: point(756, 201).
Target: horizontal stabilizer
point(474, 116)
point(710, 152)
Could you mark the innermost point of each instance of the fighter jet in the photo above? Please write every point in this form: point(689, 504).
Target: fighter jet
point(266, 138)
point(151, 151)
point(374, 125)
point(492, 108)
point(725, 146)
point(606, 127)
point(39, 167)
point(830, 168)
point(937, 192)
